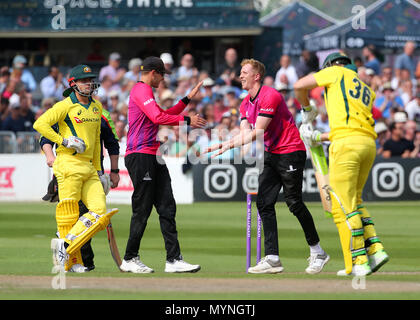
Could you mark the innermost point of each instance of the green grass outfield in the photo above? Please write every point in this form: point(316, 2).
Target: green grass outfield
point(212, 235)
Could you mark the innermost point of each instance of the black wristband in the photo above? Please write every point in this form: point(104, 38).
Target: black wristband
point(187, 120)
point(115, 170)
point(186, 100)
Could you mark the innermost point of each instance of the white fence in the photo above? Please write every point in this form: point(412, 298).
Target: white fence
point(25, 177)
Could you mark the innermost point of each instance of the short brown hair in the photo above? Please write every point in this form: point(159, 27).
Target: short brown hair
point(256, 65)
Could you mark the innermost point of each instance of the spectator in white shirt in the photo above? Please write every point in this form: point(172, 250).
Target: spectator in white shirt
point(134, 73)
point(288, 70)
point(187, 69)
point(113, 70)
point(53, 85)
point(19, 63)
point(413, 108)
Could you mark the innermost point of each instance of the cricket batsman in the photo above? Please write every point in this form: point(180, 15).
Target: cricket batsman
point(77, 166)
point(351, 155)
point(109, 139)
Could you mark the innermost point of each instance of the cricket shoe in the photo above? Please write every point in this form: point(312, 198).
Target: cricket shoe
point(377, 260)
point(78, 268)
point(179, 266)
point(267, 266)
point(358, 270)
point(134, 265)
point(317, 262)
point(59, 253)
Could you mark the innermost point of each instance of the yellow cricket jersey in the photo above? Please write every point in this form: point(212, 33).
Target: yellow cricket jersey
point(74, 119)
point(348, 101)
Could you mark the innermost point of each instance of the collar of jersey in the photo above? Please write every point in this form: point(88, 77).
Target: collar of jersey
point(351, 67)
point(75, 100)
point(253, 99)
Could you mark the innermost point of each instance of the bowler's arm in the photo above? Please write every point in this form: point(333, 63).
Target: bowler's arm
point(302, 88)
point(246, 136)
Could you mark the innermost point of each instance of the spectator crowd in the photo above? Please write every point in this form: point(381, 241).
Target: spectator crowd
point(396, 109)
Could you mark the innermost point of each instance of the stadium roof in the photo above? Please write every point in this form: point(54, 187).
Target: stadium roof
point(131, 18)
point(388, 24)
point(277, 18)
point(296, 19)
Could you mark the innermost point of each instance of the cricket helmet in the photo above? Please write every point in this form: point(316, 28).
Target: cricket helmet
point(79, 72)
point(336, 58)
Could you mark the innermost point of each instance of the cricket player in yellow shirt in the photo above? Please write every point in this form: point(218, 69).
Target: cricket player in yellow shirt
point(348, 101)
point(76, 167)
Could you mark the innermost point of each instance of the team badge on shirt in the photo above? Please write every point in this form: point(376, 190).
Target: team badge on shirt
point(95, 110)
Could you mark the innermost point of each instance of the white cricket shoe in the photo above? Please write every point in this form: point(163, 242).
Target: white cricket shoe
point(59, 253)
point(178, 266)
point(267, 266)
point(358, 270)
point(377, 260)
point(78, 268)
point(134, 265)
point(317, 262)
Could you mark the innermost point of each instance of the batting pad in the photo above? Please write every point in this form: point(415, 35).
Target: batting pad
point(372, 241)
point(344, 232)
point(66, 214)
point(86, 227)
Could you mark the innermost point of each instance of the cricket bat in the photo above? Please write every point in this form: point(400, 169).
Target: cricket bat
point(319, 163)
point(113, 245)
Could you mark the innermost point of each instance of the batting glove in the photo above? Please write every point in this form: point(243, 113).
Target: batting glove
point(105, 180)
point(309, 113)
point(311, 137)
point(75, 143)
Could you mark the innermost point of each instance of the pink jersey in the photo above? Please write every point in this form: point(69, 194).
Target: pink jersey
point(282, 135)
point(144, 118)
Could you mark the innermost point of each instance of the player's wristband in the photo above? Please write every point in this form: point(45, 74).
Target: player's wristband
point(307, 108)
point(115, 170)
point(186, 100)
point(187, 120)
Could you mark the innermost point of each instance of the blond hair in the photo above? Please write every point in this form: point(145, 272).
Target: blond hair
point(256, 65)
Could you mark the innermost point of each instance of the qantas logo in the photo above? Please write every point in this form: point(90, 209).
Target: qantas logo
point(82, 120)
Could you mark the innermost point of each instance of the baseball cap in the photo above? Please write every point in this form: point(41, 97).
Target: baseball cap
point(154, 63)
point(14, 101)
point(208, 82)
point(400, 117)
point(370, 72)
point(134, 62)
point(226, 114)
point(114, 56)
point(282, 86)
point(167, 58)
point(80, 71)
point(19, 59)
point(380, 127)
point(387, 86)
point(167, 94)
